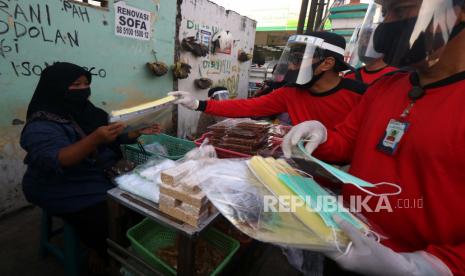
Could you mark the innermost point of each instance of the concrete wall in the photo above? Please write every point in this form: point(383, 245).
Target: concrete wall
point(223, 69)
point(34, 33)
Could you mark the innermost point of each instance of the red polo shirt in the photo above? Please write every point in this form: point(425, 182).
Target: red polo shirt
point(429, 164)
point(330, 107)
point(369, 77)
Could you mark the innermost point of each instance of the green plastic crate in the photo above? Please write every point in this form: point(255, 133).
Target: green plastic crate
point(176, 148)
point(148, 236)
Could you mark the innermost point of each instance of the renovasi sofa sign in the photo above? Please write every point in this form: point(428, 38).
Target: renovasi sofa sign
point(132, 22)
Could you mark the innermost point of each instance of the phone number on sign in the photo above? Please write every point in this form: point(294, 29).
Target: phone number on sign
point(132, 32)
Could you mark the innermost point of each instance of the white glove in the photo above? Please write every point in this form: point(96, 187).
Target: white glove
point(313, 132)
point(185, 99)
point(368, 257)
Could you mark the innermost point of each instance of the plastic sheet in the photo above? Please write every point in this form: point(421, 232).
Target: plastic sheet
point(144, 115)
point(145, 180)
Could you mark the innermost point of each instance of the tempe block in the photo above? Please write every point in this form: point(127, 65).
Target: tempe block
point(173, 176)
point(197, 199)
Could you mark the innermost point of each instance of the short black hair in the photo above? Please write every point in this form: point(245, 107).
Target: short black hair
point(215, 89)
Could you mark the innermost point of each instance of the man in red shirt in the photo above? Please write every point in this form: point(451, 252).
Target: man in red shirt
point(374, 67)
point(310, 66)
point(371, 71)
point(408, 129)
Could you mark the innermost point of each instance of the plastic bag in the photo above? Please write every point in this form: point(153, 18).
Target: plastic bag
point(244, 198)
point(227, 124)
point(202, 152)
point(239, 196)
point(156, 148)
point(145, 180)
point(144, 115)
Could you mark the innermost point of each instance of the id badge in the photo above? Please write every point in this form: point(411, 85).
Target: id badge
point(392, 137)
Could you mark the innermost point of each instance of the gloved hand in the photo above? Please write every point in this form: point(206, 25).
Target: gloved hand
point(368, 257)
point(313, 132)
point(186, 99)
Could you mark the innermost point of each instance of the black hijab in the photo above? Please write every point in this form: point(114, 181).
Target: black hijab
point(50, 97)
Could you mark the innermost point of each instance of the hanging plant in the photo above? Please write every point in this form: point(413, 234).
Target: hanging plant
point(203, 83)
point(158, 68)
point(243, 56)
point(197, 49)
point(181, 70)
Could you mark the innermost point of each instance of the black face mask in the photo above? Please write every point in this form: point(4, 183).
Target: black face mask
point(76, 100)
point(362, 55)
point(393, 40)
point(291, 77)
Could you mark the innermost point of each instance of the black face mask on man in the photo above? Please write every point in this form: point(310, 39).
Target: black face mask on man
point(76, 100)
point(393, 40)
point(362, 55)
point(292, 75)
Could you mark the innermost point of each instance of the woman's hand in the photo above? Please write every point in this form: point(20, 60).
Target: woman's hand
point(108, 134)
point(154, 129)
point(75, 153)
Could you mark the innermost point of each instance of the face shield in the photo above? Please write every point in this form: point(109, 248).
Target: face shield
point(360, 49)
point(300, 57)
point(409, 32)
point(220, 95)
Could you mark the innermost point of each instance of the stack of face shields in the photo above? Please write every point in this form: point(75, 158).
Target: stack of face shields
point(306, 199)
point(144, 115)
point(270, 201)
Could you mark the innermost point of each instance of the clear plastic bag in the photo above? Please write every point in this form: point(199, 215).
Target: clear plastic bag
point(239, 196)
point(227, 124)
point(156, 148)
point(144, 180)
point(251, 194)
point(204, 151)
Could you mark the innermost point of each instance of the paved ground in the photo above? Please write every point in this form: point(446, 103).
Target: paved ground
point(19, 243)
point(19, 254)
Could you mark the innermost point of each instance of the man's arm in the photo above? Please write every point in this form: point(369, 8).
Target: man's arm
point(271, 104)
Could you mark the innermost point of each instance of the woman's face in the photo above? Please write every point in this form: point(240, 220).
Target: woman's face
point(81, 83)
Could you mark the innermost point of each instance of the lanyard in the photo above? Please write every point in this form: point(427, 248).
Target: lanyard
point(417, 92)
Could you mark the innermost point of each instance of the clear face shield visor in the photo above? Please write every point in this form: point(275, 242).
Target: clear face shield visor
point(360, 49)
point(408, 32)
point(220, 95)
point(300, 55)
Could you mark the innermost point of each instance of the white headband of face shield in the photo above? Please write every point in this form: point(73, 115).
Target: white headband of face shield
point(318, 42)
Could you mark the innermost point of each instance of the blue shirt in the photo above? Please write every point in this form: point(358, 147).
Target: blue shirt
point(53, 187)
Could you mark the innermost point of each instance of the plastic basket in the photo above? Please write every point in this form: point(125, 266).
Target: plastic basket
point(148, 236)
point(222, 153)
point(176, 148)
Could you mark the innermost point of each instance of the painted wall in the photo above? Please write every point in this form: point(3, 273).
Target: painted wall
point(34, 33)
point(223, 69)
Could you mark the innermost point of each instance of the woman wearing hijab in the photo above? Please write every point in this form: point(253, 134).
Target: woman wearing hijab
point(69, 145)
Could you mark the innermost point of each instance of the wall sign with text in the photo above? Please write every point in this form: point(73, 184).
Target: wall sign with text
point(132, 22)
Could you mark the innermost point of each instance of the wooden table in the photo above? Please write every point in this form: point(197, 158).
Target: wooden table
point(120, 205)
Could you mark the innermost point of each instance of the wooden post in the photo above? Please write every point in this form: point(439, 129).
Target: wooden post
point(302, 15)
point(312, 16)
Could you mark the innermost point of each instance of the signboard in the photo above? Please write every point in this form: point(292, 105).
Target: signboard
point(132, 22)
point(205, 37)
